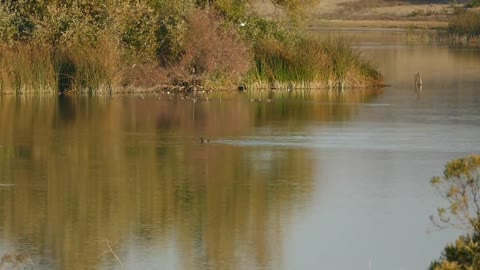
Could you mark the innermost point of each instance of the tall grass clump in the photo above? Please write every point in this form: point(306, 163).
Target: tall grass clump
point(33, 68)
point(344, 66)
point(87, 69)
point(466, 23)
point(311, 63)
point(26, 68)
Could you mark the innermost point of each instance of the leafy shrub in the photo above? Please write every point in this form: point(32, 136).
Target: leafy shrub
point(460, 186)
point(464, 254)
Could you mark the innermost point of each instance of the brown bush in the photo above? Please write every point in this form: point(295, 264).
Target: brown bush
point(144, 76)
point(214, 52)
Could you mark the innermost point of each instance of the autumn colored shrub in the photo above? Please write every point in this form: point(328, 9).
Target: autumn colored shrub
point(214, 52)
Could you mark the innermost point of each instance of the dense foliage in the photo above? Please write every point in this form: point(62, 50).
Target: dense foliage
point(99, 45)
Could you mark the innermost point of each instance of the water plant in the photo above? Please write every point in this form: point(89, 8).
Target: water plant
point(465, 23)
point(312, 63)
point(25, 67)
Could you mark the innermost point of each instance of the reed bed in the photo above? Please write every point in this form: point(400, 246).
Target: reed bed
point(26, 68)
point(311, 63)
point(95, 69)
point(30, 68)
point(465, 23)
point(463, 31)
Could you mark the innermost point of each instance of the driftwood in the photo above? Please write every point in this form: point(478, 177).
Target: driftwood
point(110, 250)
point(418, 79)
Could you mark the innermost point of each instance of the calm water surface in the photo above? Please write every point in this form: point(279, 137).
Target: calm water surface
point(301, 180)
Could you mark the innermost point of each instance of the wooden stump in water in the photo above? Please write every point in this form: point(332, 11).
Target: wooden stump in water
point(418, 79)
point(418, 84)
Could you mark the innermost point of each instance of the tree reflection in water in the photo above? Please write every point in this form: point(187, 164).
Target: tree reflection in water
point(123, 168)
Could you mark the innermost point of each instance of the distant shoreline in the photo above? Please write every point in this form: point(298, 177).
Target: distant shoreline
point(383, 14)
point(340, 23)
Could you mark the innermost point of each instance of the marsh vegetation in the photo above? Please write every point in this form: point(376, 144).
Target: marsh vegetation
point(98, 46)
point(269, 190)
point(465, 23)
point(463, 30)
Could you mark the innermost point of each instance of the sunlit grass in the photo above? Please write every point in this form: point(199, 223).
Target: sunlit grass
point(25, 68)
point(465, 23)
point(89, 69)
point(311, 63)
point(31, 68)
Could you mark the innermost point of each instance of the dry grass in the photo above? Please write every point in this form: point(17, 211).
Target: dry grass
point(26, 68)
point(33, 68)
point(465, 23)
point(311, 63)
point(89, 69)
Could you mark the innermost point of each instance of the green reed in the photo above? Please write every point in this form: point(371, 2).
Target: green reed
point(311, 63)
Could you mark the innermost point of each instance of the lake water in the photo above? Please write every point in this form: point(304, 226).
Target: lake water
point(289, 180)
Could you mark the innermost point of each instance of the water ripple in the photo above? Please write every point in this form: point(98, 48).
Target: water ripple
point(368, 136)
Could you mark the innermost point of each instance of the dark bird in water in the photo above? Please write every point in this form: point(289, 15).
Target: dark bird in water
point(202, 140)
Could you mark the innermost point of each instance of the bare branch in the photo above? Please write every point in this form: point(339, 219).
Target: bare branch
point(113, 252)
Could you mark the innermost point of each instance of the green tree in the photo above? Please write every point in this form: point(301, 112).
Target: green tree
point(460, 187)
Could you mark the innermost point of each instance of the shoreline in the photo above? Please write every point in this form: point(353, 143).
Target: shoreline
point(377, 24)
point(259, 53)
point(416, 14)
